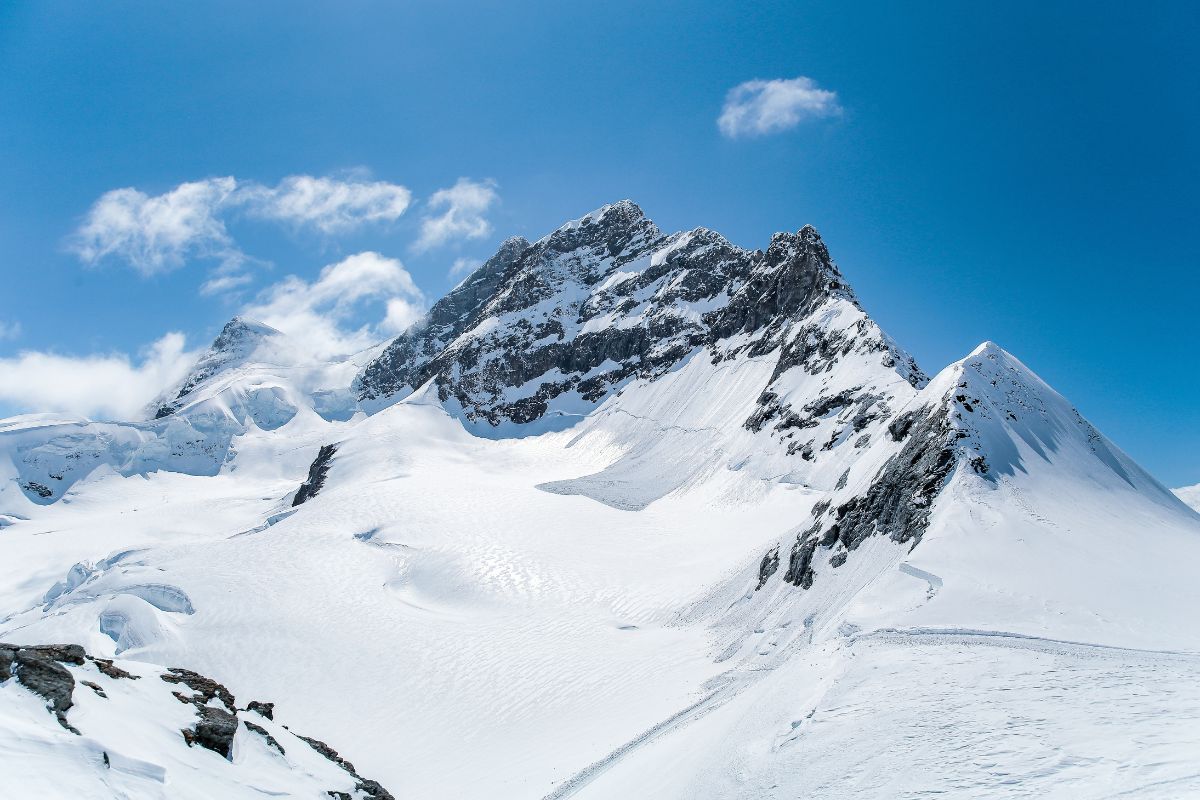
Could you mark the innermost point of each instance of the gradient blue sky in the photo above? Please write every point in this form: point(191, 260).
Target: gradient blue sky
point(1010, 171)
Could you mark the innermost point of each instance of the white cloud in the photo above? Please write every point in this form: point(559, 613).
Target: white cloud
point(158, 233)
point(401, 314)
point(105, 386)
point(756, 108)
point(462, 207)
point(219, 283)
point(326, 204)
point(9, 330)
point(324, 316)
point(463, 266)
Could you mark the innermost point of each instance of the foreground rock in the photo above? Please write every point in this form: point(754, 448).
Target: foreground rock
point(122, 736)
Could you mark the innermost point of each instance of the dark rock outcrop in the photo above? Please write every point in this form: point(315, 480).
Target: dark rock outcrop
point(403, 363)
point(767, 568)
point(368, 788)
point(110, 669)
point(896, 504)
point(329, 753)
point(214, 730)
point(262, 709)
point(789, 280)
point(316, 475)
point(215, 727)
point(205, 689)
point(40, 489)
point(40, 670)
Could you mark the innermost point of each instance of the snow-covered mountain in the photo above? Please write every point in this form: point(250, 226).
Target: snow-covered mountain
point(626, 514)
point(251, 378)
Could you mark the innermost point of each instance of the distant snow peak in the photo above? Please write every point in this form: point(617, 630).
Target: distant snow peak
point(240, 330)
point(238, 341)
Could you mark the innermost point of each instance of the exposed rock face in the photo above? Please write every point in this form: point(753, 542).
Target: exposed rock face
point(556, 326)
point(110, 669)
point(40, 669)
point(405, 362)
point(897, 503)
point(768, 567)
point(263, 709)
point(215, 727)
point(966, 424)
point(316, 475)
point(214, 730)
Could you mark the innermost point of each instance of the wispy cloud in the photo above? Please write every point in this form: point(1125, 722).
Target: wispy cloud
point(757, 108)
point(325, 315)
point(158, 233)
point(462, 208)
point(220, 283)
point(111, 386)
point(330, 206)
point(9, 330)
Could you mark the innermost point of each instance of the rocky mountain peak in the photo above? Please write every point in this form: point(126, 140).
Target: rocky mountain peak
point(608, 298)
point(794, 275)
point(607, 231)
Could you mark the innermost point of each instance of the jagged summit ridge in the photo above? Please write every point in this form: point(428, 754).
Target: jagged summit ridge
point(554, 327)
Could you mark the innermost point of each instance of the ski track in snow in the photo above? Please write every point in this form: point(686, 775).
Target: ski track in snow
point(1020, 641)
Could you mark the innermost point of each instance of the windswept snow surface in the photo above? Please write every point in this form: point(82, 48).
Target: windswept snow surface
point(461, 632)
point(430, 607)
point(587, 608)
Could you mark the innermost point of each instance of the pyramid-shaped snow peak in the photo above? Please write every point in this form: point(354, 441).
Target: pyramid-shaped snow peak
point(237, 342)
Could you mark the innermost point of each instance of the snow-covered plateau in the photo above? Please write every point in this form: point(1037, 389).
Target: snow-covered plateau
point(627, 514)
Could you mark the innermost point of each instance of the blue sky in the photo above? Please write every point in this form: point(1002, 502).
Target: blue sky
point(980, 171)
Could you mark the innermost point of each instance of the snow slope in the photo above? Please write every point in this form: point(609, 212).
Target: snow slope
point(721, 539)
